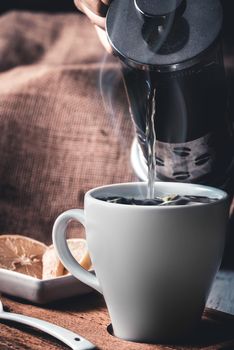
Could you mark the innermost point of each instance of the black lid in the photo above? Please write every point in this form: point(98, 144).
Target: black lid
point(162, 34)
point(157, 9)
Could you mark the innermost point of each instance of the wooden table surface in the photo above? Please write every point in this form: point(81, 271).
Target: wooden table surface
point(87, 315)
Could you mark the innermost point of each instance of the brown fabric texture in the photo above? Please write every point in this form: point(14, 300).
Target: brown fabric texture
point(65, 127)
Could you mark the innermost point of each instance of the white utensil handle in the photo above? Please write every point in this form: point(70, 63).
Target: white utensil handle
point(75, 341)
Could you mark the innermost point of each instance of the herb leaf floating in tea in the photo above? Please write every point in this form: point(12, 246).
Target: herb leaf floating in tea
point(169, 200)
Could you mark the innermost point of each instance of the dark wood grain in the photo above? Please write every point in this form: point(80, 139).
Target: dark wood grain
point(88, 317)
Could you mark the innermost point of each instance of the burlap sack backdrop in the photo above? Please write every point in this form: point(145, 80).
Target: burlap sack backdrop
point(57, 138)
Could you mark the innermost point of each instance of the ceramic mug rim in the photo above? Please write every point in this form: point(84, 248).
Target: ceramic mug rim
point(221, 195)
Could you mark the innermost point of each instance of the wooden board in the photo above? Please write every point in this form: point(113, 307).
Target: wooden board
point(88, 316)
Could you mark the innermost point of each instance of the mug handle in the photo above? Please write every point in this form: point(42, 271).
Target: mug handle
point(60, 244)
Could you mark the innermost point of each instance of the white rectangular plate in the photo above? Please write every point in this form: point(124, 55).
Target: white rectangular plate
point(46, 291)
point(40, 291)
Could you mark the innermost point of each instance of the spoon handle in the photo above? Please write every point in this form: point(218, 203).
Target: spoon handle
point(75, 341)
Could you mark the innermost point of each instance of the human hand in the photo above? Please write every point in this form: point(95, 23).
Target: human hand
point(96, 11)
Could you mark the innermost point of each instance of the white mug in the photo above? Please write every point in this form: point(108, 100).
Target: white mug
point(154, 265)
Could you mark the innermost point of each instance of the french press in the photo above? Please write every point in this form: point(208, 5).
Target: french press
point(171, 54)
